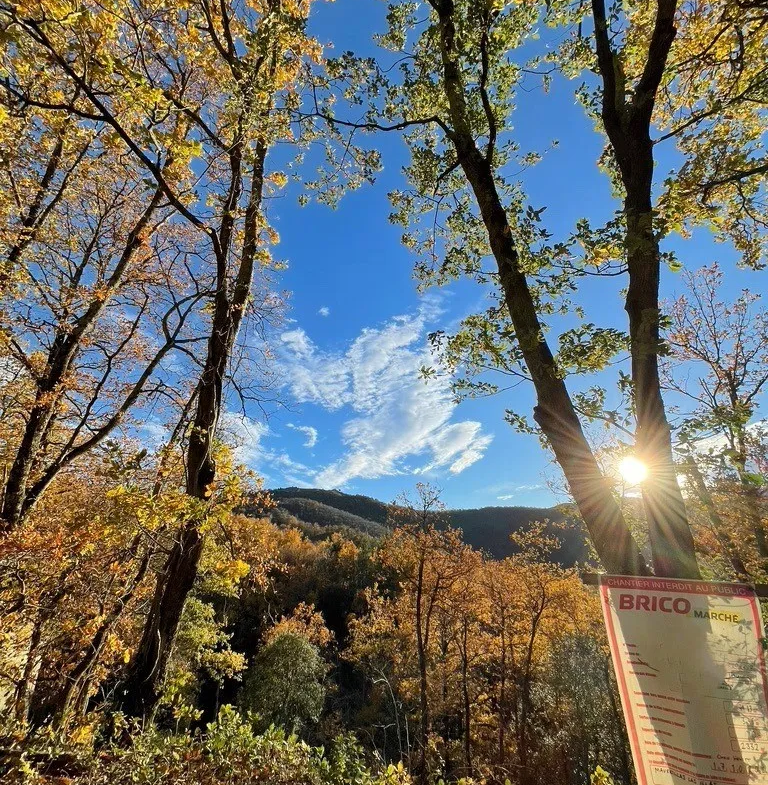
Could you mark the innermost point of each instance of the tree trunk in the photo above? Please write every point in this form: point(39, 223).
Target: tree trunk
point(423, 683)
point(467, 702)
point(25, 687)
point(628, 126)
point(445, 716)
point(501, 741)
point(141, 690)
point(554, 412)
point(525, 697)
point(21, 468)
point(670, 535)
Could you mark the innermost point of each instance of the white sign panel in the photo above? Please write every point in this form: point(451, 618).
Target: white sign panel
point(690, 665)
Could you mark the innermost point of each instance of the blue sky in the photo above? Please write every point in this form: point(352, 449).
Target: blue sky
point(355, 415)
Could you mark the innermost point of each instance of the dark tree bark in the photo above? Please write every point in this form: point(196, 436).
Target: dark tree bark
point(422, 638)
point(141, 690)
point(526, 680)
point(26, 685)
point(554, 412)
point(502, 698)
point(628, 126)
point(467, 708)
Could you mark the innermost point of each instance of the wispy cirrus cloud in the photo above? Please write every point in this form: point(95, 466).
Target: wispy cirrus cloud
point(245, 436)
point(392, 421)
point(506, 491)
point(394, 415)
point(308, 431)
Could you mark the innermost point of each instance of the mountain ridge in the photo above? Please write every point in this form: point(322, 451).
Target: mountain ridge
point(487, 528)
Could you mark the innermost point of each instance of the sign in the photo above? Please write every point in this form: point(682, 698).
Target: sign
point(690, 665)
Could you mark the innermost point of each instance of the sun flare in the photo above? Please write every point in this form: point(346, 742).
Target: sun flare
point(633, 470)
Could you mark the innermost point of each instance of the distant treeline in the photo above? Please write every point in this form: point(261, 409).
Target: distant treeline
point(487, 528)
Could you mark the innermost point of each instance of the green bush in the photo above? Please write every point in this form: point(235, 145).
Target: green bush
point(230, 752)
point(285, 685)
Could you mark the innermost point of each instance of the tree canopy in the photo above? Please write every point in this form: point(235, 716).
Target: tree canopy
point(165, 618)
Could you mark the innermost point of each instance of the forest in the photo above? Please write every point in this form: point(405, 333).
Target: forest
point(165, 617)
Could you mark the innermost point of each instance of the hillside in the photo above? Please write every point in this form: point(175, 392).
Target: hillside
point(360, 506)
point(487, 528)
point(311, 511)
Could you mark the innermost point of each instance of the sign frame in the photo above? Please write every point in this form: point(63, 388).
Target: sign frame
point(678, 591)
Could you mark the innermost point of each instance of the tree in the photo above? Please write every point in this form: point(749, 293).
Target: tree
point(202, 648)
point(89, 292)
point(488, 630)
point(590, 730)
point(44, 154)
point(720, 352)
point(626, 109)
point(533, 605)
point(242, 127)
point(466, 615)
point(431, 562)
point(214, 85)
point(713, 105)
point(72, 580)
point(459, 71)
point(284, 685)
point(93, 263)
point(696, 73)
point(453, 98)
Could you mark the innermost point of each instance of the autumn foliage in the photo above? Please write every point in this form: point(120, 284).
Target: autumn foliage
point(153, 632)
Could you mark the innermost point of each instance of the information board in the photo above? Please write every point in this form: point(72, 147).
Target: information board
point(690, 665)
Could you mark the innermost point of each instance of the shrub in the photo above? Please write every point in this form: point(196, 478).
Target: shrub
point(285, 685)
point(230, 752)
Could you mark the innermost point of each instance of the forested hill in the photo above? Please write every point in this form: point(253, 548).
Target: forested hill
point(487, 528)
point(361, 506)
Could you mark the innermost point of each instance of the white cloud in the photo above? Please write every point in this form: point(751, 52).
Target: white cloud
point(314, 376)
point(517, 490)
point(244, 435)
point(153, 434)
point(291, 472)
point(308, 431)
point(716, 444)
point(395, 414)
point(324, 311)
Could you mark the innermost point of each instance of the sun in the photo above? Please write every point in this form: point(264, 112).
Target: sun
point(633, 470)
